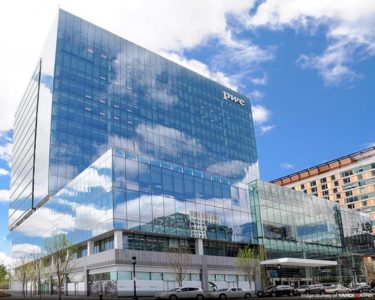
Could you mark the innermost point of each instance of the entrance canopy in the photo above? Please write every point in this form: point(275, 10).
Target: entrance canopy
point(299, 262)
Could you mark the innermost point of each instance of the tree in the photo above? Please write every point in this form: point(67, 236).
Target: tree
point(3, 273)
point(247, 262)
point(60, 253)
point(180, 261)
point(370, 272)
point(38, 264)
point(22, 273)
point(4, 276)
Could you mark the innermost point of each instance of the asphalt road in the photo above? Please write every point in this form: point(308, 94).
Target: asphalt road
point(305, 297)
point(54, 297)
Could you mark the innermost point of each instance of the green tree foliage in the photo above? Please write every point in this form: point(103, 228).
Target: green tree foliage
point(4, 277)
point(3, 273)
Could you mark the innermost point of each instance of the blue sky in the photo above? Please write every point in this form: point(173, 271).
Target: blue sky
point(307, 66)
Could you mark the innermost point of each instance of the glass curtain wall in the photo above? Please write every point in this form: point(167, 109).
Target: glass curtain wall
point(137, 194)
point(109, 92)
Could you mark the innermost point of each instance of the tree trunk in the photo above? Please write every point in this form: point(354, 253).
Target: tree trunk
point(39, 287)
point(59, 287)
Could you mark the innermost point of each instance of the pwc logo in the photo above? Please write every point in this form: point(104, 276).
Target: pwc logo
point(235, 99)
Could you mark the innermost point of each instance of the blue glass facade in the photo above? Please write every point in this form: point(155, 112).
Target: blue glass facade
point(122, 138)
point(109, 92)
point(289, 223)
point(122, 190)
point(99, 91)
point(83, 209)
point(125, 141)
point(295, 223)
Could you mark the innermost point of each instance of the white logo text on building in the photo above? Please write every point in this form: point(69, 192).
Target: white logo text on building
point(235, 99)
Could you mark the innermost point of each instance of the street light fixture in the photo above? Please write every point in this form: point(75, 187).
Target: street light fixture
point(134, 261)
point(279, 272)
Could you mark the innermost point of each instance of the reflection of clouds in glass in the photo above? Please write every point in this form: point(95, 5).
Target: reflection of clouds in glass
point(157, 206)
point(47, 82)
point(84, 204)
point(173, 140)
point(21, 250)
point(235, 169)
point(66, 217)
point(155, 87)
point(130, 144)
point(86, 217)
point(142, 204)
point(43, 220)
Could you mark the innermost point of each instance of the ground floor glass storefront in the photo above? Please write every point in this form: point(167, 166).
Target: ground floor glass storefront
point(297, 225)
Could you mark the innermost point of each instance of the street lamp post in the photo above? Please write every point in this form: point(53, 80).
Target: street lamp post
point(134, 261)
point(279, 272)
point(354, 279)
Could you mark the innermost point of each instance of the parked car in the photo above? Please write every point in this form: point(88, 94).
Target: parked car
point(182, 293)
point(302, 289)
point(276, 291)
point(315, 289)
point(360, 288)
point(337, 289)
point(231, 293)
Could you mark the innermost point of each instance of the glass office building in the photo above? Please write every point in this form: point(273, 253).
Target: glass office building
point(105, 92)
point(124, 149)
point(133, 193)
point(131, 154)
point(290, 223)
point(348, 180)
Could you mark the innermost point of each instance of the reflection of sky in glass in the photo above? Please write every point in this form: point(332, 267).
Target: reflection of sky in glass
point(29, 180)
point(287, 219)
point(354, 224)
point(120, 190)
point(187, 149)
point(171, 199)
point(82, 209)
point(109, 93)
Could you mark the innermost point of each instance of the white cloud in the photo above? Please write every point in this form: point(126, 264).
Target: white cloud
point(349, 31)
point(241, 53)
point(6, 151)
point(4, 196)
point(259, 80)
point(5, 259)
point(332, 65)
point(287, 166)
point(256, 95)
point(266, 129)
point(3, 172)
point(171, 26)
point(260, 114)
point(202, 69)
